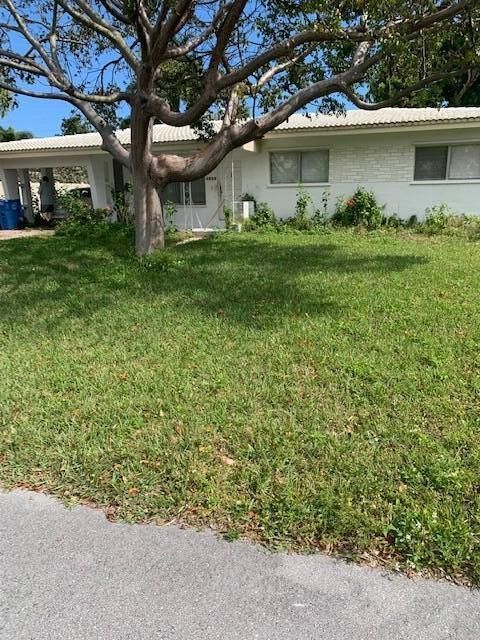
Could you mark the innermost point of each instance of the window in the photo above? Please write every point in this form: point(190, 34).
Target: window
point(464, 162)
point(197, 192)
point(455, 162)
point(295, 167)
point(173, 193)
point(186, 192)
point(431, 163)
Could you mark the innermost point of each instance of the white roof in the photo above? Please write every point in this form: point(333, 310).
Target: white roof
point(382, 117)
point(392, 117)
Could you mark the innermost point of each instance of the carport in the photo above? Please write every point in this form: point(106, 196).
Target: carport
point(19, 157)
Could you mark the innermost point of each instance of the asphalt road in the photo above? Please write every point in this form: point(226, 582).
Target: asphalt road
point(72, 574)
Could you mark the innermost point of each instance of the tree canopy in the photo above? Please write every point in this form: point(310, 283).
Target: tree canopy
point(248, 64)
point(74, 124)
point(9, 134)
point(462, 89)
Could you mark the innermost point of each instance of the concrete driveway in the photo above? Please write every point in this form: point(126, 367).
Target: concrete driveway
point(72, 574)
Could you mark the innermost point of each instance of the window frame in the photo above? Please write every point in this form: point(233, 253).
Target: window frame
point(298, 151)
point(185, 205)
point(446, 179)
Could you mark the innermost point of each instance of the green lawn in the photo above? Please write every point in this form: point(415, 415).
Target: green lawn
point(307, 391)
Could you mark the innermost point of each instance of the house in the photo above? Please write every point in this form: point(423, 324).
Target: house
point(411, 158)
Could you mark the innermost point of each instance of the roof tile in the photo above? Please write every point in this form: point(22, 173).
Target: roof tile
point(351, 119)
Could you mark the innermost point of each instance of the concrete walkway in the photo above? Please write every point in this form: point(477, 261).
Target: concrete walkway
point(25, 233)
point(74, 575)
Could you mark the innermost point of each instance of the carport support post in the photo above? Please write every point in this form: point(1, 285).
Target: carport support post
point(27, 194)
point(97, 178)
point(9, 178)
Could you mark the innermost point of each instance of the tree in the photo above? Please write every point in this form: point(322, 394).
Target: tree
point(75, 123)
point(173, 89)
point(455, 91)
point(253, 63)
point(7, 135)
point(6, 102)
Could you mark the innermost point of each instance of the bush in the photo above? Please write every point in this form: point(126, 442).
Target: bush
point(437, 219)
point(76, 209)
point(263, 218)
point(247, 197)
point(122, 205)
point(302, 220)
point(392, 222)
point(442, 220)
point(170, 211)
point(308, 218)
point(362, 209)
point(79, 215)
point(228, 215)
point(412, 222)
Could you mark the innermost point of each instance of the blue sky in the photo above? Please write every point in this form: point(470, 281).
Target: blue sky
point(41, 117)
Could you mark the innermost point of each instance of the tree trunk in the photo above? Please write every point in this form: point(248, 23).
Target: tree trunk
point(149, 220)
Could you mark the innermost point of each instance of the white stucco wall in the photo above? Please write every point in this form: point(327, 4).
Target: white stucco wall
point(382, 162)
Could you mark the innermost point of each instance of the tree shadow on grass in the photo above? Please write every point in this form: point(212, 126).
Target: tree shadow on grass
point(255, 281)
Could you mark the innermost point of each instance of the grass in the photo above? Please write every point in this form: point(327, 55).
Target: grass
point(307, 391)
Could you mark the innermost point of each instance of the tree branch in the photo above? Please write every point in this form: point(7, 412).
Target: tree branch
point(50, 69)
point(110, 142)
point(165, 30)
point(193, 43)
point(116, 12)
point(273, 71)
point(234, 135)
point(398, 97)
point(91, 19)
point(22, 63)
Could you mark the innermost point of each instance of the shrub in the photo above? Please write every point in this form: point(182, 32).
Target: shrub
point(437, 219)
point(320, 216)
point(263, 218)
point(228, 215)
point(80, 211)
point(247, 197)
point(362, 209)
point(122, 205)
point(392, 222)
point(170, 211)
point(308, 218)
point(442, 220)
point(412, 221)
point(79, 214)
point(301, 220)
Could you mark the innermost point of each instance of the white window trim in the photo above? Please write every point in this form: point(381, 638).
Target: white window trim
point(449, 145)
point(299, 183)
point(453, 181)
point(187, 206)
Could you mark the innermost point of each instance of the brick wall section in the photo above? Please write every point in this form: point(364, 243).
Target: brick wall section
point(372, 163)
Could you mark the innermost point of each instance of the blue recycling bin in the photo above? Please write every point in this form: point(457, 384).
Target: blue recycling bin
point(10, 214)
point(2, 212)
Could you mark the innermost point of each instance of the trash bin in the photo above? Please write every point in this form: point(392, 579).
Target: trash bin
point(2, 212)
point(10, 213)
